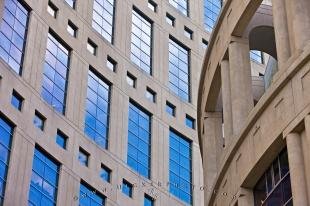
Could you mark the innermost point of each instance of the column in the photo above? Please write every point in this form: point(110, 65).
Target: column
point(226, 98)
point(281, 31)
point(297, 169)
point(240, 82)
point(300, 16)
point(212, 135)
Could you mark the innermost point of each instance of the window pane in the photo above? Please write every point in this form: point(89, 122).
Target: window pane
point(139, 140)
point(180, 167)
point(97, 110)
point(13, 33)
point(181, 5)
point(54, 85)
point(103, 17)
point(44, 180)
point(89, 196)
point(211, 11)
point(141, 42)
point(179, 70)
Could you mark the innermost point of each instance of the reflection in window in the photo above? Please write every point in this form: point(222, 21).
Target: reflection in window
point(180, 167)
point(105, 173)
point(257, 56)
point(44, 179)
point(13, 33)
point(179, 70)
point(127, 188)
point(139, 140)
point(97, 110)
point(90, 196)
point(141, 42)
point(55, 75)
point(83, 157)
point(212, 9)
point(61, 139)
point(17, 100)
point(274, 187)
point(6, 135)
point(103, 17)
point(71, 3)
point(148, 201)
point(181, 5)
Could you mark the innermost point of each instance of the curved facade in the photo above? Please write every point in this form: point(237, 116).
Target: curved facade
point(98, 102)
point(255, 145)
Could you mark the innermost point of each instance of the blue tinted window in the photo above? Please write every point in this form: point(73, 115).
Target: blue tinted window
point(139, 140)
point(103, 18)
point(180, 167)
point(212, 9)
point(17, 100)
point(181, 5)
point(90, 197)
point(55, 74)
point(141, 42)
point(257, 56)
point(127, 188)
point(179, 70)
point(38, 120)
point(148, 201)
point(44, 180)
point(170, 108)
point(13, 34)
point(190, 122)
point(71, 3)
point(105, 173)
point(6, 135)
point(61, 139)
point(83, 157)
point(97, 110)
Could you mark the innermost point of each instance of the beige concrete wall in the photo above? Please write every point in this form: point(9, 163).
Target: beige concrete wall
point(72, 123)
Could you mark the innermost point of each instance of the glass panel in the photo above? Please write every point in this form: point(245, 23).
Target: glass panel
point(139, 140)
point(179, 70)
point(97, 110)
point(44, 180)
point(90, 196)
point(13, 34)
point(103, 17)
point(181, 5)
point(141, 42)
point(211, 11)
point(180, 167)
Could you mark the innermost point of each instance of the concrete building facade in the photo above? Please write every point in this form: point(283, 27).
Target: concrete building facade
point(255, 143)
point(74, 76)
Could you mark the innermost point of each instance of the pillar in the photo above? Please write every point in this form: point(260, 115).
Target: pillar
point(300, 16)
point(240, 82)
point(281, 31)
point(297, 169)
point(226, 98)
point(210, 146)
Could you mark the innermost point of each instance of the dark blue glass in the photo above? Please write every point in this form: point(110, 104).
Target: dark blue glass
point(103, 18)
point(6, 135)
point(127, 188)
point(61, 139)
point(141, 42)
point(139, 140)
point(44, 180)
point(179, 70)
point(90, 197)
point(181, 5)
point(180, 167)
point(71, 3)
point(13, 33)
point(148, 201)
point(105, 173)
point(212, 9)
point(17, 100)
point(55, 74)
point(97, 110)
point(190, 122)
point(170, 109)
